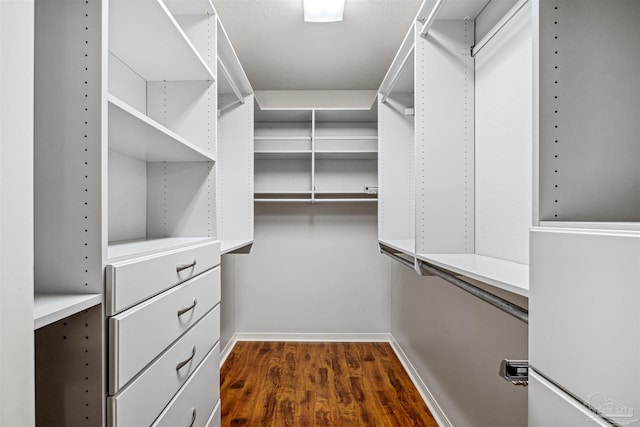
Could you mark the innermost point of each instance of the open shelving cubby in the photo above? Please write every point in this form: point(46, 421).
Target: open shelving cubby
point(456, 146)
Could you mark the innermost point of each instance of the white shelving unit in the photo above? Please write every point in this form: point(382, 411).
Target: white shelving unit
point(316, 155)
point(127, 179)
point(456, 148)
point(235, 149)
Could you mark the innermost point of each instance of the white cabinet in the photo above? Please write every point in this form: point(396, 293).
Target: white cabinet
point(131, 202)
point(316, 155)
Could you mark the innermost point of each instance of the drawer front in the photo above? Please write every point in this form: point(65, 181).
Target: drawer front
point(197, 398)
point(141, 401)
point(215, 420)
point(140, 334)
point(132, 281)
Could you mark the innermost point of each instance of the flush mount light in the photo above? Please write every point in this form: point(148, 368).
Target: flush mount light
point(323, 10)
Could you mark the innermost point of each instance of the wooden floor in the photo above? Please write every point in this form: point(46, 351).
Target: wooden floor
point(318, 384)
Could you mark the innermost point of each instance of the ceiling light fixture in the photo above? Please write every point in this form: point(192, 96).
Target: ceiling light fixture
point(323, 10)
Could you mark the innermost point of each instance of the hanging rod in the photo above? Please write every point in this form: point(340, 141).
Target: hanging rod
point(227, 76)
point(396, 76)
point(500, 303)
point(406, 262)
point(431, 18)
point(230, 105)
point(501, 23)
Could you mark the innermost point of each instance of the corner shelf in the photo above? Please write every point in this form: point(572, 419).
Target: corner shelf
point(49, 308)
point(136, 135)
point(159, 49)
point(507, 275)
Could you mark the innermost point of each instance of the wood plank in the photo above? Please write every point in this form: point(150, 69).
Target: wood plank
point(318, 384)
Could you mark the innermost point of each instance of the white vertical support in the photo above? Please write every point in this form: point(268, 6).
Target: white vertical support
point(313, 156)
point(444, 132)
point(16, 215)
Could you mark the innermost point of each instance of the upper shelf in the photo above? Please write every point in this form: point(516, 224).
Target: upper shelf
point(134, 134)
point(499, 273)
point(145, 36)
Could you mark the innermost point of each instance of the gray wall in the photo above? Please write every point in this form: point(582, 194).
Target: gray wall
point(456, 342)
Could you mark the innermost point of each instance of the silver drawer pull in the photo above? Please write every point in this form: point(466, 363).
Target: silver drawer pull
point(193, 416)
point(186, 309)
point(181, 267)
point(184, 362)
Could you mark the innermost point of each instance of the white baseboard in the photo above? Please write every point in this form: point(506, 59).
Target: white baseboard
point(428, 398)
point(311, 337)
point(224, 353)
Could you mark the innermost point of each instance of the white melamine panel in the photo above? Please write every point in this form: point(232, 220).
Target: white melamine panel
point(589, 127)
point(49, 308)
point(181, 199)
point(127, 197)
point(132, 346)
point(134, 134)
point(267, 144)
point(345, 175)
point(282, 175)
point(444, 139)
point(283, 130)
point(235, 172)
point(187, 108)
point(396, 175)
point(585, 291)
point(69, 156)
point(126, 85)
point(140, 276)
point(503, 142)
point(313, 269)
point(215, 420)
point(159, 49)
point(195, 402)
point(551, 407)
point(161, 381)
point(189, 7)
point(200, 28)
point(339, 130)
point(16, 214)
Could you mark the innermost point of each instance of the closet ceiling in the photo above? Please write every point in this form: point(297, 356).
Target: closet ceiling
point(279, 51)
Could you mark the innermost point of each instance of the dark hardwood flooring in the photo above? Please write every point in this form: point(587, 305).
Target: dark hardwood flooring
point(318, 384)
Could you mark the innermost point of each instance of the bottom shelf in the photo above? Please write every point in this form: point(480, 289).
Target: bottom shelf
point(507, 275)
point(49, 308)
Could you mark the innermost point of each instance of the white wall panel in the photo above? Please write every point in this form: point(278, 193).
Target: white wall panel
point(127, 197)
point(313, 269)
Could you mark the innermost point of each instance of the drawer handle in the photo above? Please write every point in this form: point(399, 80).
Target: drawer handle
point(193, 416)
point(181, 267)
point(184, 362)
point(186, 309)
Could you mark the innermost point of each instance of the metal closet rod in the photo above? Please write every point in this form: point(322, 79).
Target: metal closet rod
point(501, 23)
point(227, 76)
point(396, 76)
point(500, 303)
point(431, 18)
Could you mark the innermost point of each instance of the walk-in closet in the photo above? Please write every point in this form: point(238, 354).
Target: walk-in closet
point(319, 213)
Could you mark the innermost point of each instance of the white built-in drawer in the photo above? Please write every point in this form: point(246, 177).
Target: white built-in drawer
point(195, 401)
point(215, 420)
point(140, 402)
point(133, 280)
point(140, 334)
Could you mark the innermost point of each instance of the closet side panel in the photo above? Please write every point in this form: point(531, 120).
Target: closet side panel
point(503, 146)
point(235, 173)
point(444, 138)
point(589, 109)
point(69, 163)
point(395, 171)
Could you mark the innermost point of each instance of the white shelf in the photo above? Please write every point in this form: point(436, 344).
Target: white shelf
point(406, 246)
point(135, 248)
point(158, 50)
point(502, 274)
point(49, 308)
point(283, 154)
point(347, 138)
point(227, 246)
point(346, 154)
point(281, 138)
point(619, 226)
point(282, 200)
point(136, 135)
point(283, 192)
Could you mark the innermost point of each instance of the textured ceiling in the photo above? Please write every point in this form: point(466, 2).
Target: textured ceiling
point(279, 51)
